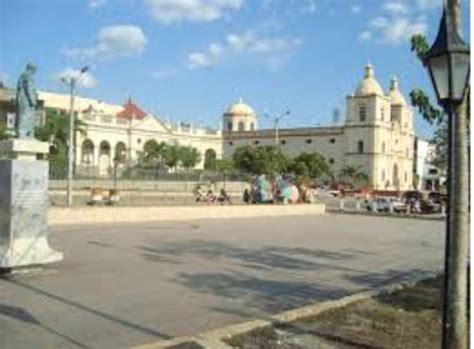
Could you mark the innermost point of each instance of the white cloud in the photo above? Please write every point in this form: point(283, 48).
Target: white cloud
point(395, 7)
point(308, 7)
point(240, 43)
point(112, 41)
point(86, 80)
point(396, 24)
point(92, 4)
point(355, 9)
point(171, 11)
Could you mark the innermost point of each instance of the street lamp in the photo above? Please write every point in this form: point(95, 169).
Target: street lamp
point(448, 62)
point(71, 83)
point(275, 123)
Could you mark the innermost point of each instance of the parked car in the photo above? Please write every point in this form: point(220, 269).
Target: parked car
point(383, 204)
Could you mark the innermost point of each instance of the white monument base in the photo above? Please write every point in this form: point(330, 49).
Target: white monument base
point(24, 206)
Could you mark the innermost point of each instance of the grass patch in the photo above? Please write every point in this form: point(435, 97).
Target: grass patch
point(409, 317)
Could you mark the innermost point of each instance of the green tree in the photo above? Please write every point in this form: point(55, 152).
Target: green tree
point(353, 175)
point(267, 160)
point(431, 114)
point(55, 131)
point(171, 155)
point(189, 157)
point(224, 165)
point(312, 165)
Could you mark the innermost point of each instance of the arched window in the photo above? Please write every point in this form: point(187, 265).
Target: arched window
point(360, 147)
point(362, 113)
point(407, 153)
point(383, 148)
point(120, 152)
point(229, 126)
point(241, 126)
point(383, 175)
point(252, 126)
point(406, 176)
point(382, 114)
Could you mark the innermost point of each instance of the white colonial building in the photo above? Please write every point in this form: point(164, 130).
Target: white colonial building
point(377, 134)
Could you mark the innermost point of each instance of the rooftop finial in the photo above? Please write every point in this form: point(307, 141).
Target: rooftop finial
point(394, 83)
point(241, 100)
point(369, 70)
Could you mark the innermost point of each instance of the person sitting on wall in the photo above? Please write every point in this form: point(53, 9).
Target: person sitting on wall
point(246, 197)
point(223, 197)
point(198, 194)
point(210, 197)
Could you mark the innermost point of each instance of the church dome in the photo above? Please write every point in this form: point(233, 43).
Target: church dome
point(240, 109)
point(369, 85)
point(396, 97)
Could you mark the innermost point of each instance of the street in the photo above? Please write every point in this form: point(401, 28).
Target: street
point(125, 285)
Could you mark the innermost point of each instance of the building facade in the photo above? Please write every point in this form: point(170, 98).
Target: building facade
point(377, 135)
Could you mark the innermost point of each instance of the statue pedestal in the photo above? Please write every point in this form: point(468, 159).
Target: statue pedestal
point(24, 205)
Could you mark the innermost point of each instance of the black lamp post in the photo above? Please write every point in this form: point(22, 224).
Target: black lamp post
point(448, 62)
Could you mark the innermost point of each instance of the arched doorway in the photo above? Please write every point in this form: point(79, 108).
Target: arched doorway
point(120, 153)
point(87, 156)
point(104, 158)
point(210, 157)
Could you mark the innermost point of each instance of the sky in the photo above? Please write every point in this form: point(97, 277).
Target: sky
point(188, 60)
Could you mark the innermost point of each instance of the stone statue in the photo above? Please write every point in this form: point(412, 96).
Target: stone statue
point(26, 100)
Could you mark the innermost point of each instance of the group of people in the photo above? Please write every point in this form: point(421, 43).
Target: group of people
point(210, 197)
point(281, 190)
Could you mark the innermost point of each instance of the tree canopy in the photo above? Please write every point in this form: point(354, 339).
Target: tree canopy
point(260, 160)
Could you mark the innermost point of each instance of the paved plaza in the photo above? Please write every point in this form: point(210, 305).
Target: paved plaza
point(125, 285)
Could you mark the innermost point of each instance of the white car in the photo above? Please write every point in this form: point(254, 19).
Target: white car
point(386, 204)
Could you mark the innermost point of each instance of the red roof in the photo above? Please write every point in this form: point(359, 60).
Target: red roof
point(131, 110)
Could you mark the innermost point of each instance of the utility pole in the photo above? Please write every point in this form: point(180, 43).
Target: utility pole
point(71, 82)
point(275, 124)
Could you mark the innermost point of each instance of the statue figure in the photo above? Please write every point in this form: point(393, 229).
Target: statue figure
point(26, 101)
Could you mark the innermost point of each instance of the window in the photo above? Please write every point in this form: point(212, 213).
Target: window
point(256, 142)
point(283, 142)
point(331, 161)
point(332, 141)
point(360, 147)
point(362, 113)
point(433, 171)
point(383, 175)
point(229, 126)
point(252, 126)
point(382, 114)
point(139, 140)
point(241, 126)
point(406, 176)
point(309, 141)
point(231, 143)
point(383, 147)
point(407, 153)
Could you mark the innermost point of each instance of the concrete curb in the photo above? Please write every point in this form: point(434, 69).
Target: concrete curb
point(101, 215)
point(386, 215)
point(213, 339)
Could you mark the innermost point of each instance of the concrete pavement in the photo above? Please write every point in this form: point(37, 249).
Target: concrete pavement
point(125, 285)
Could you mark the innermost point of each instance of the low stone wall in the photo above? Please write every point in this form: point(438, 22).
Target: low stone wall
point(158, 185)
point(101, 215)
